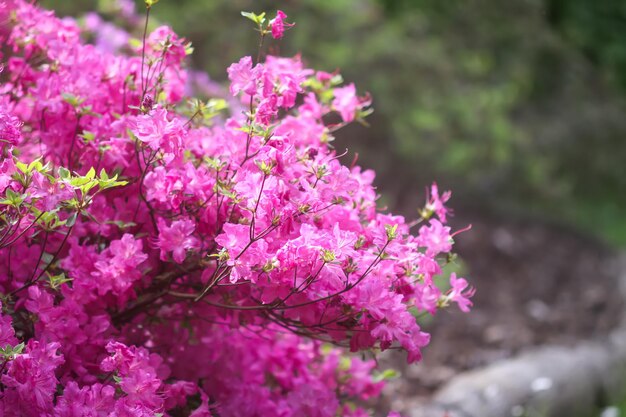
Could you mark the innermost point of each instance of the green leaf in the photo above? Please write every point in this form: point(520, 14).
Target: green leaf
point(336, 80)
point(79, 181)
point(188, 49)
point(17, 349)
point(391, 231)
point(121, 224)
point(134, 43)
point(259, 19)
point(88, 136)
point(72, 100)
point(71, 220)
point(21, 166)
point(56, 281)
point(345, 363)
point(385, 375)
point(214, 163)
point(35, 165)
point(64, 173)
point(13, 198)
point(9, 352)
point(87, 187)
point(12, 194)
point(48, 219)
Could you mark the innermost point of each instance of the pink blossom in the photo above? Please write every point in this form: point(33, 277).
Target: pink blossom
point(426, 298)
point(96, 400)
point(127, 9)
point(176, 239)
point(128, 251)
point(233, 238)
point(268, 108)
point(176, 394)
point(436, 203)
point(278, 24)
point(30, 380)
point(313, 400)
point(109, 37)
point(346, 102)
point(10, 130)
point(436, 237)
point(243, 77)
point(312, 107)
point(204, 410)
point(7, 334)
point(163, 42)
point(460, 292)
point(159, 132)
point(117, 269)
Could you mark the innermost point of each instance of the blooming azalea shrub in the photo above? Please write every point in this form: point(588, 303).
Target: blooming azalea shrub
point(161, 256)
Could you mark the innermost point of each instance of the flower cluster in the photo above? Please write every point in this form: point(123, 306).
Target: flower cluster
point(159, 256)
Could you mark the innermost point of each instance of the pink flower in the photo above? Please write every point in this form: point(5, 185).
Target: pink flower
point(204, 410)
point(7, 334)
point(426, 298)
point(158, 132)
point(109, 37)
point(312, 107)
point(10, 129)
point(346, 102)
point(435, 238)
point(7, 168)
point(460, 293)
point(176, 239)
point(243, 77)
point(30, 380)
point(117, 270)
point(164, 42)
point(324, 76)
point(137, 376)
point(267, 110)
point(436, 204)
point(313, 401)
point(278, 24)
point(128, 251)
point(176, 393)
point(233, 238)
point(95, 400)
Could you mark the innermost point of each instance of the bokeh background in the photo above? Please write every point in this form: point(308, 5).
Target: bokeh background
point(518, 106)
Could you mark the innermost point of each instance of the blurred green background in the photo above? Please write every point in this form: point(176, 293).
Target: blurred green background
point(517, 105)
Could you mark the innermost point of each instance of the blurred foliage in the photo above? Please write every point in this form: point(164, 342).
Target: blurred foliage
point(514, 104)
point(598, 28)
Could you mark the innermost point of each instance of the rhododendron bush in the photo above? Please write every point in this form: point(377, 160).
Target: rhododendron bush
point(162, 255)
